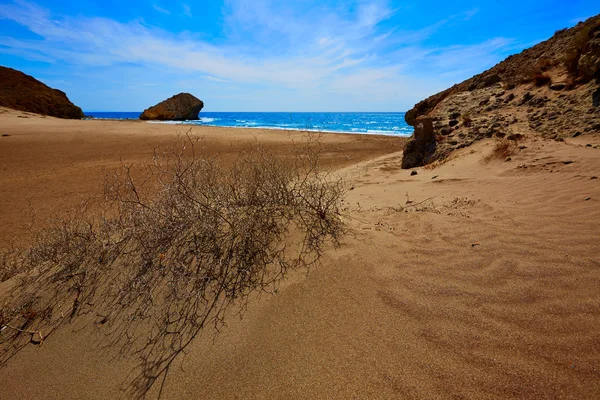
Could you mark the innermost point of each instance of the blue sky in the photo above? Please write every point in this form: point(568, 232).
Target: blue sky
point(269, 55)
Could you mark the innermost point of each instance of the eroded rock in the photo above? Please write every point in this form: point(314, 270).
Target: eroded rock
point(421, 146)
point(25, 93)
point(181, 107)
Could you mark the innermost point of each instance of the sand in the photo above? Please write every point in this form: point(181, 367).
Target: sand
point(49, 164)
point(487, 290)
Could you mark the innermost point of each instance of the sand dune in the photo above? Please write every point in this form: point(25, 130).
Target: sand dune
point(484, 286)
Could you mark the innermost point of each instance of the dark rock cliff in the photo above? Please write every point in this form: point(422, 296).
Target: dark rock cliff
point(25, 93)
point(181, 107)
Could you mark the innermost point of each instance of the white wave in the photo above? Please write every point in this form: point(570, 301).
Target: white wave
point(395, 131)
point(166, 122)
point(356, 132)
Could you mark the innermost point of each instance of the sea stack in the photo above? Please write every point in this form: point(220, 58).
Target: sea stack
point(181, 107)
point(25, 93)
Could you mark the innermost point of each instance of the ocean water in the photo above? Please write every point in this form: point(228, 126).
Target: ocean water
point(377, 123)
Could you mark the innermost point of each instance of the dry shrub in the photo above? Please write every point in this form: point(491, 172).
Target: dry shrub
point(502, 148)
point(439, 162)
point(573, 53)
point(466, 119)
point(541, 79)
point(176, 250)
point(544, 64)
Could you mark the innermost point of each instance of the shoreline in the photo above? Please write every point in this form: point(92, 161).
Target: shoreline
point(54, 161)
point(397, 131)
point(275, 128)
point(187, 123)
point(477, 278)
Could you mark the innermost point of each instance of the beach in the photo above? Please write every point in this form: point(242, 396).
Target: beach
point(50, 164)
point(474, 278)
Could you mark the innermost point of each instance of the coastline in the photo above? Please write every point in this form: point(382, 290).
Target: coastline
point(366, 123)
point(55, 162)
point(476, 278)
point(447, 252)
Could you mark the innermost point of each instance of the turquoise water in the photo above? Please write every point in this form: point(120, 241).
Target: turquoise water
point(377, 123)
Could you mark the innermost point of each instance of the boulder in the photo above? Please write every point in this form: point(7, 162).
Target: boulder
point(25, 93)
point(421, 146)
point(181, 107)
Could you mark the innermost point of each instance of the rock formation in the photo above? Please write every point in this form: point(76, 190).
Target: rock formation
point(181, 107)
point(25, 93)
point(421, 146)
point(588, 64)
point(550, 90)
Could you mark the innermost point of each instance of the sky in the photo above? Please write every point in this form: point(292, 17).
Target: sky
point(269, 55)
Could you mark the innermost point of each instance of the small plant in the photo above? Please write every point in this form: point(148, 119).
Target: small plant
point(572, 55)
point(544, 64)
point(502, 148)
point(541, 79)
point(466, 119)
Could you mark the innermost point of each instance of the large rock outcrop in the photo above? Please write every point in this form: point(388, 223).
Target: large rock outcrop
point(25, 93)
point(589, 61)
point(551, 90)
point(419, 149)
point(181, 107)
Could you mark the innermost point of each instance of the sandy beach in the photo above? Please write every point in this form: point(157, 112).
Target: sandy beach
point(475, 279)
point(49, 164)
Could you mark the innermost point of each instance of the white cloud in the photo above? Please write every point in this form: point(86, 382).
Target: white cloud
point(160, 9)
point(269, 43)
point(187, 11)
point(212, 78)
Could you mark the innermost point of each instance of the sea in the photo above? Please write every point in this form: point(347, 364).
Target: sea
point(375, 123)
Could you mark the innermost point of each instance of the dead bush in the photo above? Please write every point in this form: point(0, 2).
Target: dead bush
point(174, 252)
point(544, 64)
point(502, 148)
point(466, 119)
point(573, 53)
point(541, 79)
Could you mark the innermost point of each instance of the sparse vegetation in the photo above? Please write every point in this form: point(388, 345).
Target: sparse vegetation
point(173, 253)
point(466, 119)
point(502, 148)
point(446, 159)
point(572, 54)
point(544, 64)
point(541, 79)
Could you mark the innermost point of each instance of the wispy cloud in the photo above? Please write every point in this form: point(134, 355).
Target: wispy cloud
point(212, 78)
point(187, 11)
point(312, 50)
point(160, 9)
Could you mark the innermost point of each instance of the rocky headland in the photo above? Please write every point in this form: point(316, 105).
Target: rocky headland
point(181, 107)
point(25, 93)
point(551, 90)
